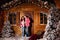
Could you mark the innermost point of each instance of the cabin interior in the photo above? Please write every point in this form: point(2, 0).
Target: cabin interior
point(37, 10)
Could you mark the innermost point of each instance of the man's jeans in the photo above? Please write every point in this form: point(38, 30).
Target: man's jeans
point(26, 31)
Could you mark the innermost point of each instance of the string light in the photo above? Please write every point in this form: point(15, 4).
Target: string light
point(17, 2)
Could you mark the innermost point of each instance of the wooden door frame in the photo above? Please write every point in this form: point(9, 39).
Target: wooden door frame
point(30, 14)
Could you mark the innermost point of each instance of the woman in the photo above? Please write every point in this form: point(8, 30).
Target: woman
point(22, 24)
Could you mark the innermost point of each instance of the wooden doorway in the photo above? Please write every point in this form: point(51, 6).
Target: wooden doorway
point(30, 14)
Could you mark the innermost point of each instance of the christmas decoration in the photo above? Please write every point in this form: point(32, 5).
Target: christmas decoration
point(52, 31)
point(7, 30)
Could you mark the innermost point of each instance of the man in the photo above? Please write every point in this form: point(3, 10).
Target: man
point(27, 24)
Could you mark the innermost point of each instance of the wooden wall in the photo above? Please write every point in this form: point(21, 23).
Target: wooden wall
point(1, 20)
point(36, 16)
point(27, 7)
point(57, 3)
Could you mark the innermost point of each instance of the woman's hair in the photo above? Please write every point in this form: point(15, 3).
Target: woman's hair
point(22, 18)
